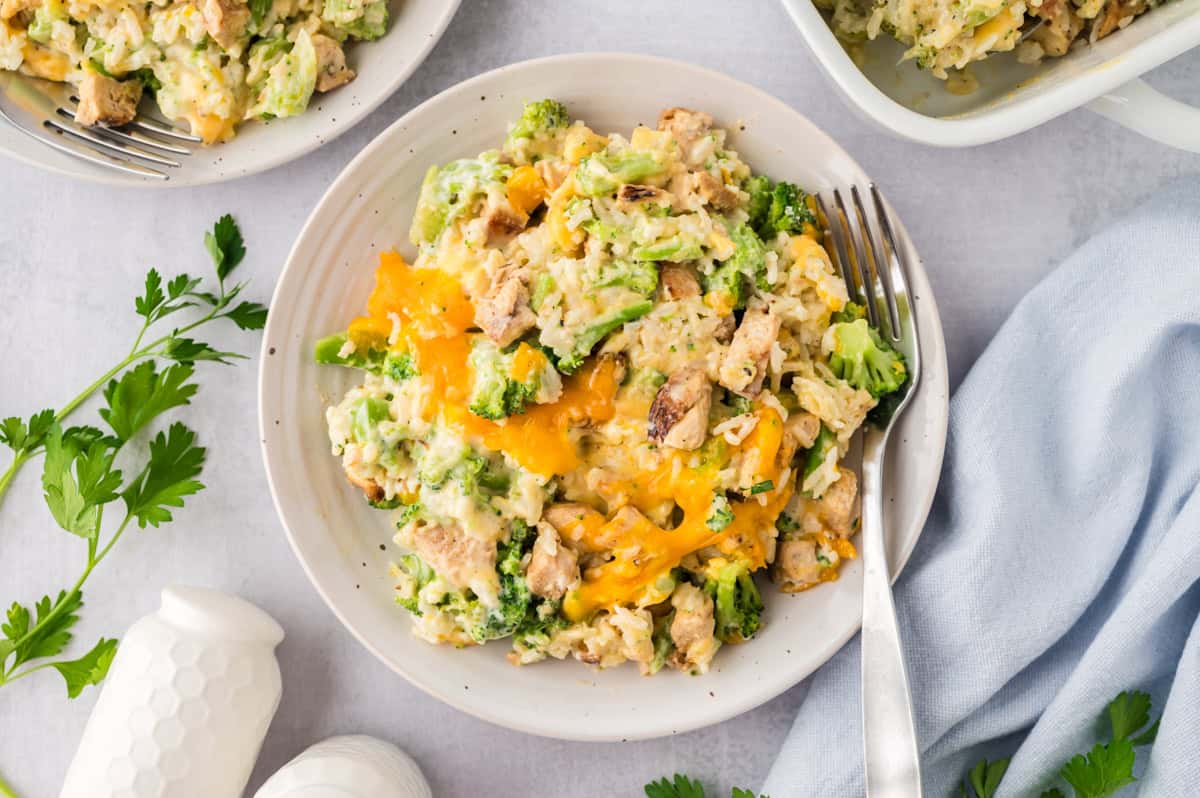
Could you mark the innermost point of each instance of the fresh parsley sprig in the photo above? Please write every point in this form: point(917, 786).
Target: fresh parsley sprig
point(1099, 773)
point(683, 787)
point(81, 476)
point(27, 437)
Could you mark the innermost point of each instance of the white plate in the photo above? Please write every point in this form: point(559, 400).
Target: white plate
point(382, 65)
point(338, 538)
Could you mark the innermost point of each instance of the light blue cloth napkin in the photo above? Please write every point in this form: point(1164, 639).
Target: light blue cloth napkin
point(1061, 562)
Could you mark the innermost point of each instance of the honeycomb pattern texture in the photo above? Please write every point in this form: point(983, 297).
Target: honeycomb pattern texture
point(186, 704)
point(353, 766)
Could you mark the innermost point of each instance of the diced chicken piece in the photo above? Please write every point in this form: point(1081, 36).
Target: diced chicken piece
point(745, 364)
point(692, 628)
point(796, 564)
point(553, 172)
point(553, 567)
point(725, 330)
point(1062, 26)
point(502, 222)
point(105, 101)
point(837, 509)
point(572, 520)
point(10, 8)
point(715, 192)
point(1114, 12)
point(685, 125)
point(803, 428)
point(630, 194)
point(677, 281)
point(225, 20)
point(371, 489)
point(679, 414)
point(331, 63)
point(503, 313)
point(462, 560)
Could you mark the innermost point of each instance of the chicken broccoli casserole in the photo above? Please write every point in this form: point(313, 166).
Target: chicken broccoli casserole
point(945, 35)
point(208, 63)
point(617, 381)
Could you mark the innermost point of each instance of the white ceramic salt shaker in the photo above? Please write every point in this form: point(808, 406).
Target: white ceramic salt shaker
point(354, 766)
point(186, 704)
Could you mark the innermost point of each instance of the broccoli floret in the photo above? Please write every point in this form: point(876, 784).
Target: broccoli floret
point(603, 173)
point(515, 596)
point(720, 514)
point(420, 575)
point(540, 623)
point(785, 523)
point(638, 275)
point(663, 644)
point(451, 191)
point(586, 341)
point(748, 262)
point(851, 311)
point(759, 189)
point(861, 358)
point(542, 116)
point(494, 393)
point(677, 249)
point(788, 212)
point(543, 286)
point(397, 365)
point(366, 415)
point(738, 606)
point(476, 475)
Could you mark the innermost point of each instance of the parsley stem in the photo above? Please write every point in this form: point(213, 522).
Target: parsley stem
point(5, 789)
point(135, 354)
point(26, 672)
point(93, 561)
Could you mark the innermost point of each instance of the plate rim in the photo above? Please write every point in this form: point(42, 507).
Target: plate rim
point(108, 177)
point(933, 380)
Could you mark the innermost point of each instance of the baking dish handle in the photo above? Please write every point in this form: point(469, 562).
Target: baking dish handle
point(1142, 108)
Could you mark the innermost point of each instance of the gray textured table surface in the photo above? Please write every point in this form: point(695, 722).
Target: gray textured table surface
point(989, 222)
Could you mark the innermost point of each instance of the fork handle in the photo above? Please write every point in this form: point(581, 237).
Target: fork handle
point(891, 756)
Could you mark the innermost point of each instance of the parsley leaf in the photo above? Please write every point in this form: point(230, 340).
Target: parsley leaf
point(1128, 712)
point(1105, 769)
point(91, 668)
point(681, 787)
point(46, 641)
point(249, 316)
point(78, 477)
point(224, 244)
point(150, 301)
point(175, 461)
point(189, 350)
point(1148, 736)
point(143, 393)
point(985, 777)
point(738, 792)
point(182, 285)
point(20, 435)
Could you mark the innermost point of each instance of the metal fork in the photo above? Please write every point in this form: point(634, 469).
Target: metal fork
point(45, 110)
point(875, 274)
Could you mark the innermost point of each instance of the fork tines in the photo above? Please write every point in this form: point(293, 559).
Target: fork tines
point(874, 273)
point(128, 141)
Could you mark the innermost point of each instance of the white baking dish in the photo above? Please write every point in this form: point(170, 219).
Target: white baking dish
point(1013, 97)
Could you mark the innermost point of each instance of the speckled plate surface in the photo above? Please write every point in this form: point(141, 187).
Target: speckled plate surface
point(382, 65)
point(345, 546)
